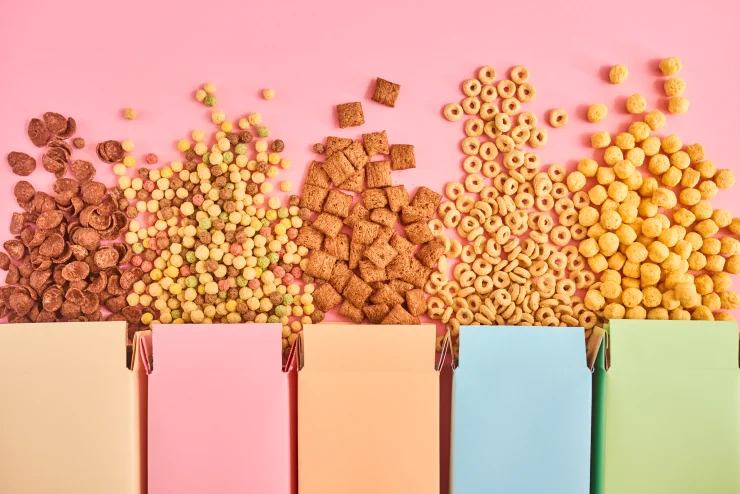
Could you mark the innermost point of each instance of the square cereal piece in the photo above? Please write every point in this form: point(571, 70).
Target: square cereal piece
point(387, 296)
point(365, 232)
point(340, 276)
point(350, 115)
point(338, 246)
point(338, 168)
point(317, 176)
point(401, 245)
point(376, 313)
point(416, 302)
point(376, 143)
point(309, 237)
point(384, 216)
point(384, 233)
point(379, 174)
point(356, 155)
point(357, 291)
point(374, 198)
point(356, 252)
point(337, 203)
point(427, 200)
point(398, 267)
point(380, 253)
point(357, 213)
point(400, 287)
point(328, 224)
point(386, 92)
point(334, 144)
point(399, 315)
point(418, 233)
point(416, 273)
point(410, 214)
point(325, 297)
point(402, 157)
point(351, 312)
point(398, 197)
point(355, 182)
point(430, 252)
point(371, 273)
point(313, 197)
point(320, 265)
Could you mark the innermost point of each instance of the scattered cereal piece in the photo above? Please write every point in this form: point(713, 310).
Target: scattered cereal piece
point(78, 142)
point(670, 66)
point(674, 86)
point(655, 119)
point(453, 112)
point(350, 115)
point(127, 146)
point(618, 74)
point(268, 94)
point(129, 114)
point(318, 148)
point(597, 112)
point(636, 104)
point(210, 100)
point(200, 95)
point(558, 118)
point(386, 93)
point(678, 104)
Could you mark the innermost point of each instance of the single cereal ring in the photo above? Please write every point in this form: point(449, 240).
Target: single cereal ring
point(467, 279)
point(489, 194)
point(524, 201)
point(559, 190)
point(453, 190)
point(452, 218)
point(502, 122)
point(538, 138)
point(526, 187)
point(487, 74)
point(436, 227)
point(556, 172)
point(474, 301)
point(560, 236)
point(464, 316)
point(544, 203)
point(531, 161)
point(510, 187)
point(529, 173)
point(474, 127)
point(471, 105)
point(488, 94)
point(453, 112)
point(510, 106)
point(514, 159)
point(544, 223)
point(468, 254)
point(565, 287)
point(581, 200)
point(471, 146)
point(577, 264)
point(488, 151)
point(558, 118)
point(501, 297)
point(464, 203)
point(506, 88)
point(481, 267)
point(512, 220)
point(502, 235)
point(474, 183)
point(492, 224)
point(459, 270)
point(438, 279)
point(488, 111)
point(455, 248)
point(435, 303)
point(563, 204)
point(479, 243)
point(505, 144)
point(479, 215)
point(568, 218)
point(578, 232)
point(542, 186)
point(519, 74)
point(490, 128)
point(471, 87)
point(526, 92)
point(468, 223)
point(520, 134)
point(473, 164)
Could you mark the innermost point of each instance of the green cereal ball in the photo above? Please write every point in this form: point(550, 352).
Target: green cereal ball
point(228, 157)
point(283, 212)
point(287, 299)
point(224, 216)
point(273, 319)
point(273, 257)
point(206, 158)
point(176, 314)
point(137, 248)
point(190, 257)
point(265, 222)
point(280, 310)
point(263, 262)
point(223, 294)
point(240, 148)
point(210, 100)
point(230, 186)
point(205, 224)
point(191, 281)
point(241, 281)
point(263, 131)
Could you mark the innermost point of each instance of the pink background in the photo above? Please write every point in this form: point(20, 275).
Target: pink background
point(92, 59)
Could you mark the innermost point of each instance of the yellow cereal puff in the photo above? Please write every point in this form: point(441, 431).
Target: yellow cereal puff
point(597, 194)
point(658, 314)
point(655, 119)
point(576, 181)
point(639, 130)
point(671, 144)
point(703, 210)
point(696, 152)
point(617, 191)
point(678, 104)
point(711, 301)
point(652, 227)
point(697, 261)
point(624, 141)
point(723, 316)
point(601, 139)
point(605, 175)
point(728, 300)
point(651, 297)
point(665, 198)
point(618, 74)
point(610, 289)
point(598, 263)
point(704, 284)
point(690, 177)
point(651, 146)
point(670, 66)
point(680, 159)
point(724, 178)
point(723, 218)
point(658, 252)
point(672, 177)
point(659, 164)
point(680, 315)
point(636, 156)
point(636, 104)
point(594, 300)
point(732, 265)
point(588, 167)
point(624, 168)
point(711, 246)
point(647, 209)
point(614, 311)
point(674, 86)
point(689, 197)
point(634, 313)
point(722, 282)
point(706, 169)
point(702, 313)
point(735, 226)
point(597, 112)
point(612, 155)
point(708, 189)
point(608, 243)
point(588, 216)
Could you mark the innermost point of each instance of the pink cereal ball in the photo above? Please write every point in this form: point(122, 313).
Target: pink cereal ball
point(292, 233)
point(161, 234)
point(297, 272)
point(288, 279)
point(185, 271)
point(151, 158)
point(236, 249)
point(265, 231)
point(147, 266)
point(279, 272)
point(198, 199)
point(223, 285)
point(149, 186)
point(137, 260)
point(254, 284)
point(151, 219)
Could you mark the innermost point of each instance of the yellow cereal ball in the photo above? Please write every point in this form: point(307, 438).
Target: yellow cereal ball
point(612, 155)
point(588, 247)
point(597, 112)
point(732, 265)
point(647, 209)
point(680, 160)
point(618, 74)
point(600, 140)
point(183, 145)
point(690, 178)
point(695, 152)
point(624, 168)
point(637, 312)
point(689, 197)
point(636, 156)
point(209, 88)
point(631, 297)
point(651, 146)
point(594, 300)
point(200, 95)
point(658, 314)
point(708, 189)
point(723, 316)
point(611, 220)
point(254, 118)
point(722, 282)
point(608, 243)
point(706, 228)
point(119, 169)
point(672, 177)
point(610, 289)
point(678, 104)
point(576, 181)
point(671, 144)
point(268, 93)
point(711, 301)
point(218, 116)
point(670, 66)
point(669, 236)
point(674, 86)
point(127, 145)
point(702, 313)
point(639, 130)
point(198, 135)
point(711, 246)
point(598, 263)
point(636, 104)
point(624, 141)
point(597, 194)
point(729, 300)
point(706, 169)
point(614, 311)
point(588, 167)
point(655, 119)
point(227, 126)
point(286, 186)
point(723, 218)
point(651, 297)
point(658, 252)
point(664, 198)
point(724, 178)
point(659, 164)
point(617, 191)
point(605, 175)
point(588, 216)
point(129, 114)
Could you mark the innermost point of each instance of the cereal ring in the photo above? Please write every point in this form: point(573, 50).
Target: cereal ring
point(519, 74)
point(558, 118)
point(488, 110)
point(452, 218)
point(472, 164)
point(505, 144)
point(474, 127)
point(544, 203)
point(467, 279)
point(526, 92)
point(510, 106)
point(468, 254)
point(474, 183)
point(492, 224)
point(542, 186)
point(524, 201)
point(487, 74)
point(514, 159)
point(455, 248)
point(471, 146)
point(503, 234)
point(559, 190)
point(464, 203)
point(506, 88)
point(468, 223)
point(563, 204)
point(544, 223)
point(436, 227)
point(488, 93)
point(491, 169)
point(471, 105)
point(471, 87)
point(453, 112)
point(520, 134)
point(538, 138)
point(464, 316)
point(490, 128)
point(510, 187)
point(502, 122)
point(488, 151)
point(529, 173)
point(581, 200)
point(453, 190)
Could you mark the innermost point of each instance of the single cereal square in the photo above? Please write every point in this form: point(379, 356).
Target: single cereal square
point(337, 203)
point(398, 197)
point(416, 273)
point(340, 276)
point(350, 115)
point(380, 253)
point(374, 198)
point(430, 252)
point(427, 200)
point(325, 297)
point(400, 287)
point(351, 312)
point(384, 216)
point(338, 168)
point(376, 313)
point(313, 197)
point(385, 233)
point(357, 213)
point(376, 143)
point(402, 157)
point(320, 265)
point(329, 224)
point(355, 182)
point(398, 267)
point(387, 296)
point(365, 232)
point(356, 155)
point(410, 214)
point(386, 92)
point(334, 144)
point(401, 245)
point(415, 301)
point(379, 174)
point(317, 176)
point(371, 273)
point(357, 291)
point(418, 233)
point(338, 246)
point(356, 252)
point(309, 237)
point(399, 315)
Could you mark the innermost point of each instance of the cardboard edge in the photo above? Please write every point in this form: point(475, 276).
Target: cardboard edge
point(145, 350)
point(593, 344)
point(293, 355)
point(446, 346)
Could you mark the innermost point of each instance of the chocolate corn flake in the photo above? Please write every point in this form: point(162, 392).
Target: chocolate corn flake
point(21, 163)
point(55, 122)
point(38, 133)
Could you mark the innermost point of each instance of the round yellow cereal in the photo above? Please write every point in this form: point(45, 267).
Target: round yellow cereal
point(618, 74)
point(268, 93)
point(724, 178)
point(674, 86)
point(597, 112)
point(614, 311)
point(678, 104)
point(617, 191)
point(680, 159)
point(722, 217)
point(631, 297)
point(611, 220)
point(612, 155)
point(664, 198)
point(601, 139)
point(651, 146)
point(610, 289)
point(200, 95)
point(608, 243)
point(651, 297)
point(636, 104)
point(624, 168)
point(588, 216)
point(670, 66)
point(695, 152)
point(689, 197)
point(639, 130)
point(652, 227)
point(453, 112)
point(708, 189)
point(636, 156)
point(588, 167)
point(605, 175)
point(671, 177)
point(218, 116)
point(671, 144)
point(127, 145)
point(702, 313)
point(637, 312)
point(576, 181)
point(655, 119)
point(624, 141)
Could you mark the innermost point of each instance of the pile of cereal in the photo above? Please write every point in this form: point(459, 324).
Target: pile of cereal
point(660, 248)
point(518, 265)
point(371, 270)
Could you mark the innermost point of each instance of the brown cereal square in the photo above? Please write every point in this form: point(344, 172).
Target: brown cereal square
point(317, 176)
point(400, 287)
point(402, 157)
point(385, 233)
point(313, 197)
point(351, 312)
point(399, 315)
point(418, 233)
point(371, 273)
point(416, 273)
point(340, 276)
point(334, 144)
point(386, 92)
point(374, 198)
point(356, 252)
point(320, 265)
point(426, 200)
point(357, 291)
point(355, 182)
point(384, 216)
point(356, 155)
point(401, 245)
point(376, 143)
point(325, 297)
point(410, 214)
point(398, 197)
point(380, 253)
point(328, 224)
point(309, 237)
point(376, 313)
point(357, 213)
point(365, 232)
point(415, 301)
point(398, 267)
point(387, 296)
point(338, 246)
point(338, 168)
point(350, 114)
point(337, 203)
point(430, 252)
point(379, 174)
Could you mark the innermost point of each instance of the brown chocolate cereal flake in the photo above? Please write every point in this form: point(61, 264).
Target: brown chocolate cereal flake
point(21, 163)
point(38, 133)
point(386, 92)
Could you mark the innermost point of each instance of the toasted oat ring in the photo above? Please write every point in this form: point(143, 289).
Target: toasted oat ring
point(468, 254)
point(487, 74)
point(474, 183)
point(510, 186)
point(526, 188)
point(528, 119)
point(502, 297)
point(436, 227)
point(558, 118)
point(472, 164)
point(481, 267)
point(529, 173)
point(524, 200)
point(588, 319)
point(569, 217)
point(578, 263)
point(502, 122)
point(471, 146)
point(581, 200)
point(542, 187)
point(452, 287)
point(488, 151)
point(545, 251)
point(513, 221)
point(526, 92)
point(506, 88)
point(438, 279)
point(546, 284)
point(529, 247)
point(503, 234)
point(544, 223)
point(520, 134)
point(488, 93)
point(468, 223)
point(453, 112)
point(474, 127)
point(514, 159)
point(516, 175)
point(435, 303)
point(474, 301)
point(510, 106)
point(467, 279)
point(445, 295)
point(560, 236)
point(557, 260)
point(471, 105)
point(556, 172)
point(538, 138)
point(566, 287)
point(471, 87)
point(559, 190)
point(578, 232)
point(539, 237)
point(488, 194)
point(544, 203)
point(492, 224)
point(459, 269)
point(490, 129)
point(505, 144)
point(498, 182)
point(453, 190)
point(563, 204)
point(488, 111)
point(539, 268)
point(464, 316)
point(519, 74)
point(464, 203)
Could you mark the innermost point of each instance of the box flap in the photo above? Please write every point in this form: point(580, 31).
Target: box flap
point(351, 347)
point(140, 351)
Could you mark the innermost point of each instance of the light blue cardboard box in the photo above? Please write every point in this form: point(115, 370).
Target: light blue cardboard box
point(521, 411)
